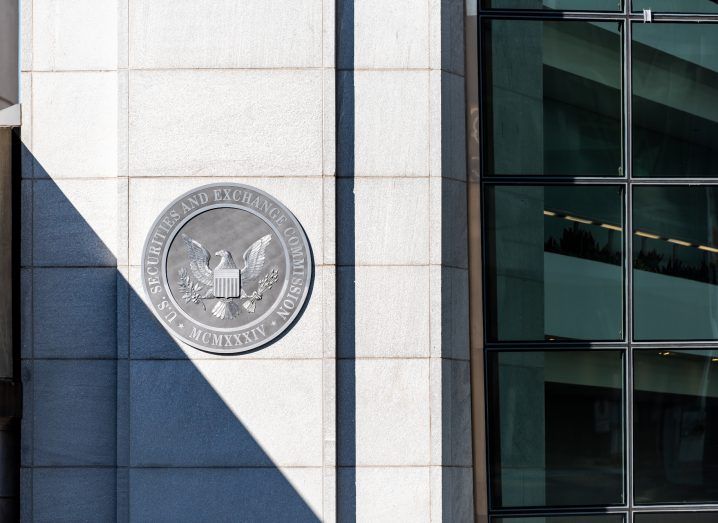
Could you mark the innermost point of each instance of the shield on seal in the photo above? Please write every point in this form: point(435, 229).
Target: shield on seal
point(227, 283)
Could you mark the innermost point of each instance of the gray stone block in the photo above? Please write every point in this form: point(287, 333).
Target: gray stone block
point(449, 231)
point(385, 35)
point(63, 30)
point(62, 234)
point(394, 101)
point(26, 210)
point(456, 413)
point(449, 313)
point(386, 421)
point(26, 427)
point(448, 125)
point(73, 495)
point(74, 131)
point(75, 413)
point(220, 494)
point(25, 494)
point(385, 494)
point(148, 339)
point(447, 35)
point(252, 33)
point(390, 316)
point(26, 329)
point(75, 313)
point(383, 221)
point(236, 122)
point(226, 413)
point(457, 494)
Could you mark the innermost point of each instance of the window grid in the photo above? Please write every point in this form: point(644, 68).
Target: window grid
point(627, 19)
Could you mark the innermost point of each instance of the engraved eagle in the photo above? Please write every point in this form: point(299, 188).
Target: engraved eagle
point(226, 281)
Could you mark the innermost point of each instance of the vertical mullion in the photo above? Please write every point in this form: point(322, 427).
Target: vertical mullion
point(628, 159)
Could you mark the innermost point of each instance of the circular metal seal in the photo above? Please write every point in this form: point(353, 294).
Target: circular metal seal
point(227, 268)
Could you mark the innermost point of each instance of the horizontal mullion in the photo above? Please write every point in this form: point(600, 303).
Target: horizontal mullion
point(507, 346)
point(596, 16)
point(703, 507)
point(538, 14)
point(673, 181)
point(704, 344)
point(511, 346)
point(552, 180)
point(583, 180)
point(584, 511)
point(556, 511)
point(676, 17)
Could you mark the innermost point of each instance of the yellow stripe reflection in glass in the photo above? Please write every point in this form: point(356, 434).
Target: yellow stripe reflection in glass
point(679, 242)
point(579, 220)
point(706, 248)
point(611, 227)
point(647, 235)
point(549, 213)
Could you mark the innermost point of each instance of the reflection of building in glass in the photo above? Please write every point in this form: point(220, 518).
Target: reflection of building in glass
point(600, 226)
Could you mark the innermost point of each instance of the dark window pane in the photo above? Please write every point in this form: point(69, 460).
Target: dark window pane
point(554, 260)
point(676, 426)
point(553, 97)
point(556, 432)
point(677, 517)
point(675, 257)
point(677, 6)
point(565, 5)
point(583, 518)
point(675, 100)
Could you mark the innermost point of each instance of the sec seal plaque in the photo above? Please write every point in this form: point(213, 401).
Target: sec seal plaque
point(227, 268)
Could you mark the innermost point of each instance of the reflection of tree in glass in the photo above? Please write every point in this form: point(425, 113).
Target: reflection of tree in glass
point(648, 261)
point(578, 241)
point(652, 261)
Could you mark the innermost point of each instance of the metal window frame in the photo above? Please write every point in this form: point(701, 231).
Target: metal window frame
point(627, 18)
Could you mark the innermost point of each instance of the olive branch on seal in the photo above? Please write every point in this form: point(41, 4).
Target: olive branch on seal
point(190, 289)
point(262, 286)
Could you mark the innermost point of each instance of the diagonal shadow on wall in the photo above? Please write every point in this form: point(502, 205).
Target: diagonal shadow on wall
point(118, 422)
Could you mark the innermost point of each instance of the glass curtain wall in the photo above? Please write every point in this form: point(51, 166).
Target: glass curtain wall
point(599, 126)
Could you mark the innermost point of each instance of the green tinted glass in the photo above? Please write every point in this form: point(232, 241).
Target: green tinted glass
point(583, 518)
point(675, 262)
point(676, 426)
point(549, 108)
point(556, 429)
point(676, 6)
point(675, 100)
point(565, 5)
point(677, 517)
point(554, 260)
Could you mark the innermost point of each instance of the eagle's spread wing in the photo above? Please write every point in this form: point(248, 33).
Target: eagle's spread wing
point(198, 260)
point(254, 258)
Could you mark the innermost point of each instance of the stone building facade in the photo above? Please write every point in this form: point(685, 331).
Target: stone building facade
point(353, 114)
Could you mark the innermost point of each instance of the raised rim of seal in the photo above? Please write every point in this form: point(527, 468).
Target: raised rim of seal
point(302, 302)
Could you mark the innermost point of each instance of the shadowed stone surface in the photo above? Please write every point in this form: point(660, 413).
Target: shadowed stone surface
point(61, 233)
point(75, 416)
point(73, 495)
point(221, 494)
point(254, 413)
point(87, 326)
